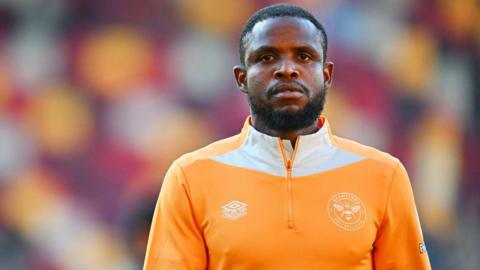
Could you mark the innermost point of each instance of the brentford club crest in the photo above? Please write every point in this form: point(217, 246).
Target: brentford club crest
point(347, 211)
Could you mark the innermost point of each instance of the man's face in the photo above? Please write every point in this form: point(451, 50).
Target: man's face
point(285, 75)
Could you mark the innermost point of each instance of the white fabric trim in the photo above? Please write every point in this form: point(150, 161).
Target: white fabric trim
point(258, 152)
point(315, 154)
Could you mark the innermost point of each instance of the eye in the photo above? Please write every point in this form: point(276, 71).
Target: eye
point(304, 57)
point(266, 58)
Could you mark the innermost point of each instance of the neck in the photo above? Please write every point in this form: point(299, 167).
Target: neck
point(290, 135)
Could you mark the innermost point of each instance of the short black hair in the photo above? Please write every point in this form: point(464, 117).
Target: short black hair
point(279, 10)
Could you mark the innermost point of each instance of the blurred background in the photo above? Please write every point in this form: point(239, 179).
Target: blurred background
point(98, 97)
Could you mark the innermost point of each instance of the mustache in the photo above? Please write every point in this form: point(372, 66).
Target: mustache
point(271, 89)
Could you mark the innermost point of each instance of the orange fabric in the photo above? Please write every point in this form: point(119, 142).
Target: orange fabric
point(214, 216)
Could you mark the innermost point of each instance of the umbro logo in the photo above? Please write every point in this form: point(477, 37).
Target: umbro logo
point(234, 210)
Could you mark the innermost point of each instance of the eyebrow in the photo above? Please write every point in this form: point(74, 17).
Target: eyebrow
point(305, 48)
point(265, 48)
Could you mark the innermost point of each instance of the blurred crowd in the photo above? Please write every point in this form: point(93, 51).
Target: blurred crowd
point(98, 97)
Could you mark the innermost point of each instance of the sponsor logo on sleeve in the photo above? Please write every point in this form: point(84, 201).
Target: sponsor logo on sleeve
point(422, 247)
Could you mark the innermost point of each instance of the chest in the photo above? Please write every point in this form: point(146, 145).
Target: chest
point(325, 220)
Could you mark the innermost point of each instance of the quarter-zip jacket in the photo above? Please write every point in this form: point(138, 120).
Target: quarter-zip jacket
point(253, 201)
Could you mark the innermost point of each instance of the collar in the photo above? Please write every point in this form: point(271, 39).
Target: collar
point(308, 147)
point(314, 153)
point(321, 138)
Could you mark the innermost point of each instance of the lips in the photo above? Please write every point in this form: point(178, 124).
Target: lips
point(290, 90)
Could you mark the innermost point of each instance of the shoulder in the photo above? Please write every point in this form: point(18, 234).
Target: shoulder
point(214, 149)
point(367, 152)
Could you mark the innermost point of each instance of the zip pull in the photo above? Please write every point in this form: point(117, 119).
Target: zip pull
point(289, 164)
point(288, 161)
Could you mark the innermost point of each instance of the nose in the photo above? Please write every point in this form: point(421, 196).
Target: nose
point(286, 70)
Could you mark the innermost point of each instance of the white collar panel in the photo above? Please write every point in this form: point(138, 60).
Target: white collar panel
point(315, 153)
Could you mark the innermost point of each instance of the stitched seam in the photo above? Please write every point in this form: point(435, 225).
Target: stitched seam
point(389, 195)
point(189, 196)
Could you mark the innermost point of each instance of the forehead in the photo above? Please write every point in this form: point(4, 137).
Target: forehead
point(284, 31)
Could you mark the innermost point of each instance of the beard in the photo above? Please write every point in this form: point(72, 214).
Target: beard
point(288, 120)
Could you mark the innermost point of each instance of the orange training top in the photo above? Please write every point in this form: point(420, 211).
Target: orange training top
point(252, 201)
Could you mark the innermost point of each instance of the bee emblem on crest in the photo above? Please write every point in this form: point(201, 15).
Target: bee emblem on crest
point(347, 211)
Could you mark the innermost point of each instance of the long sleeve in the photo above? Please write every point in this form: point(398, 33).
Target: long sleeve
point(399, 243)
point(175, 240)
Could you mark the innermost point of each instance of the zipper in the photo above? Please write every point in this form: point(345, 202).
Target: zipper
point(288, 167)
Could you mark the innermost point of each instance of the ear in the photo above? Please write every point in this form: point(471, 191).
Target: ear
point(240, 77)
point(328, 74)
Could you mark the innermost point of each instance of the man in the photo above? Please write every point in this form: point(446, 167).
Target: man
point(285, 193)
